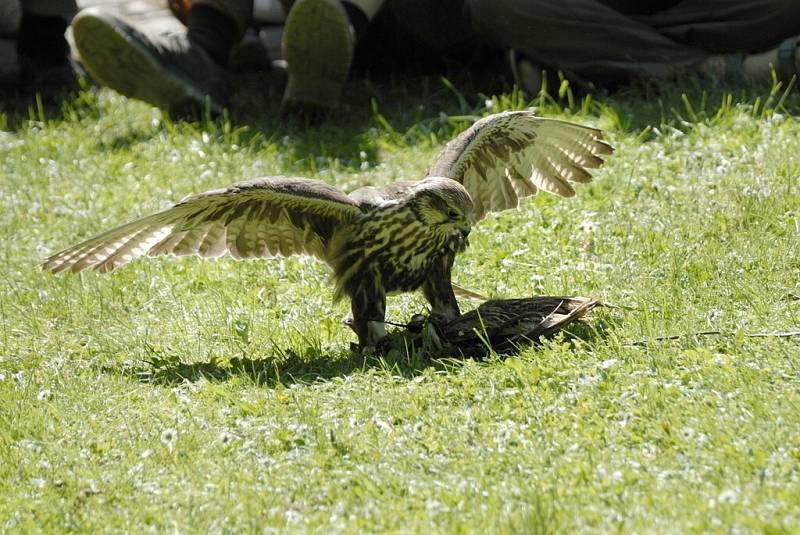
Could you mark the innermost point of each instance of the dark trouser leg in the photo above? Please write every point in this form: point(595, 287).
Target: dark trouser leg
point(598, 43)
point(583, 37)
point(42, 49)
point(63, 8)
point(241, 11)
point(213, 30)
point(723, 26)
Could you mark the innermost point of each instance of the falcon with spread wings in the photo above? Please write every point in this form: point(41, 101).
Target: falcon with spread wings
point(378, 241)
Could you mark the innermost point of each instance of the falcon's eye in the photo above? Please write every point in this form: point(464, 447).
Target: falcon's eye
point(453, 214)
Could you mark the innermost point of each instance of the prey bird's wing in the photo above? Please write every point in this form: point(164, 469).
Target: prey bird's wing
point(254, 219)
point(467, 293)
point(510, 155)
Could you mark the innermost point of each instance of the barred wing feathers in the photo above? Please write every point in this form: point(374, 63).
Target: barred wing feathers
point(258, 218)
point(510, 155)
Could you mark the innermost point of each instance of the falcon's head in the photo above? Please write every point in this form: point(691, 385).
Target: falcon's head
point(446, 208)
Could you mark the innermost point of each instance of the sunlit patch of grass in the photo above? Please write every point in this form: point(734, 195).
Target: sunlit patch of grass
point(197, 395)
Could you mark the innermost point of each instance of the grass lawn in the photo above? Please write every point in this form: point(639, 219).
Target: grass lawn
point(191, 395)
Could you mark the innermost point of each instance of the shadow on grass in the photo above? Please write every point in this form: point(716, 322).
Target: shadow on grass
point(406, 109)
point(123, 141)
point(287, 367)
point(19, 109)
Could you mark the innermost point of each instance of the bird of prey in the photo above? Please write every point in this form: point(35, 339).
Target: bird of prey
point(377, 240)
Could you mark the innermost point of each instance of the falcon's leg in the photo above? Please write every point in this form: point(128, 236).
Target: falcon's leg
point(439, 293)
point(368, 309)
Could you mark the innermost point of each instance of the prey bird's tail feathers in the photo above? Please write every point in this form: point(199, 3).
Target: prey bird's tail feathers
point(504, 157)
point(275, 216)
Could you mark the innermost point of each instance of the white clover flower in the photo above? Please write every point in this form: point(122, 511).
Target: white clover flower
point(226, 438)
point(728, 496)
point(608, 363)
point(168, 438)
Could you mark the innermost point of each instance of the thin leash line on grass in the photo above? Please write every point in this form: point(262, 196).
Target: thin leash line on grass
point(776, 334)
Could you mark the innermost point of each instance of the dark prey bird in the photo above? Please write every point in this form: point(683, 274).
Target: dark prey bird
point(378, 241)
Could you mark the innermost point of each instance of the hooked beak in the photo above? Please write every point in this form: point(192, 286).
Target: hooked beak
point(462, 238)
point(463, 228)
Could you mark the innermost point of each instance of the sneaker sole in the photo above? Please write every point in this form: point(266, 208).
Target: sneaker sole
point(121, 63)
point(318, 47)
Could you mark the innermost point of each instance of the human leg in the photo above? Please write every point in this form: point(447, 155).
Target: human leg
point(41, 45)
point(751, 36)
point(587, 38)
point(722, 26)
point(583, 37)
point(238, 11)
point(53, 8)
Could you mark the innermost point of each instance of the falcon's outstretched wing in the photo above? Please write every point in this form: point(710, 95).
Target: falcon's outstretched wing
point(257, 218)
point(510, 155)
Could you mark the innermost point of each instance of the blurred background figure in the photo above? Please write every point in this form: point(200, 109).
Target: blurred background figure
point(182, 71)
point(34, 50)
point(183, 67)
point(613, 42)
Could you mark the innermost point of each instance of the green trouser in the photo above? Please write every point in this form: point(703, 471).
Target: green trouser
point(595, 42)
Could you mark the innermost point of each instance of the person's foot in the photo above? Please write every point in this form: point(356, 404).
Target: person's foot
point(169, 71)
point(784, 60)
point(318, 44)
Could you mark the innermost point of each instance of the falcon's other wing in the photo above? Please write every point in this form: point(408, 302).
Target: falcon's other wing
point(510, 155)
point(257, 218)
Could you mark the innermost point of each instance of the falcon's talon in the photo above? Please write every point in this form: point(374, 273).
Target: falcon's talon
point(378, 241)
